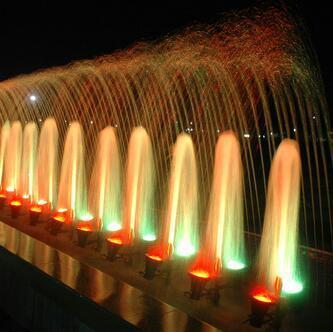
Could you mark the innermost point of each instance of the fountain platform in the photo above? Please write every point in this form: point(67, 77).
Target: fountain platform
point(48, 282)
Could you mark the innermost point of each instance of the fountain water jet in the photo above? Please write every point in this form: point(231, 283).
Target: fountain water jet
point(46, 183)
point(279, 241)
point(13, 158)
point(30, 138)
point(4, 139)
point(72, 186)
point(180, 224)
point(138, 217)
point(105, 182)
point(224, 242)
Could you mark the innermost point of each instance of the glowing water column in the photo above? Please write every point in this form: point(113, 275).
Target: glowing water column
point(3, 146)
point(279, 242)
point(13, 158)
point(138, 195)
point(180, 230)
point(105, 182)
point(30, 138)
point(45, 190)
point(72, 186)
point(224, 242)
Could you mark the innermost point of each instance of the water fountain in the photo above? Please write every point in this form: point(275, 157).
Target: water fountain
point(13, 158)
point(46, 184)
point(105, 184)
point(179, 235)
point(165, 152)
point(72, 195)
point(224, 240)
point(279, 242)
point(4, 139)
point(28, 168)
point(138, 219)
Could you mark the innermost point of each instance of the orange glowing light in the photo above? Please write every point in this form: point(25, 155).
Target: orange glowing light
point(200, 273)
point(115, 240)
point(86, 228)
point(42, 202)
point(25, 196)
point(62, 210)
point(10, 189)
point(154, 257)
point(205, 266)
point(15, 203)
point(263, 297)
point(260, 294)
point(36, 208)
point(3, 196)
point(59, 218)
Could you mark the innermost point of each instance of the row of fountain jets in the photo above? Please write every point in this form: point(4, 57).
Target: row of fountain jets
point(29, 171)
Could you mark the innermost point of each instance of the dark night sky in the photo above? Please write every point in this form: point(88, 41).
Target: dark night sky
point(40, 36)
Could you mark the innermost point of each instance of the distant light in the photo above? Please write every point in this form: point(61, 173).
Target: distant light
point(91, 122)
point(40, 120)
point(114, 226)
point(263, 136)
point(313, 117)
point(259, 136)
point(149, 237)
point(25, 196)
point(271, 133)
point(234, 265)
point(33, 98)
point(218, 130)
point(247, 135)
point(294, 130)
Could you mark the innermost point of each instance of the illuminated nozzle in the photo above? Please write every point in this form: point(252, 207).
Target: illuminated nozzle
point(154, 258)
point(261, 302)
point(3, 198)
point(153, 261)
point(15, 206)
point(35, 211)
point(56, 222)
point(84, 229)
point(66, 213)
point(199, 279)
point(113, 245)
